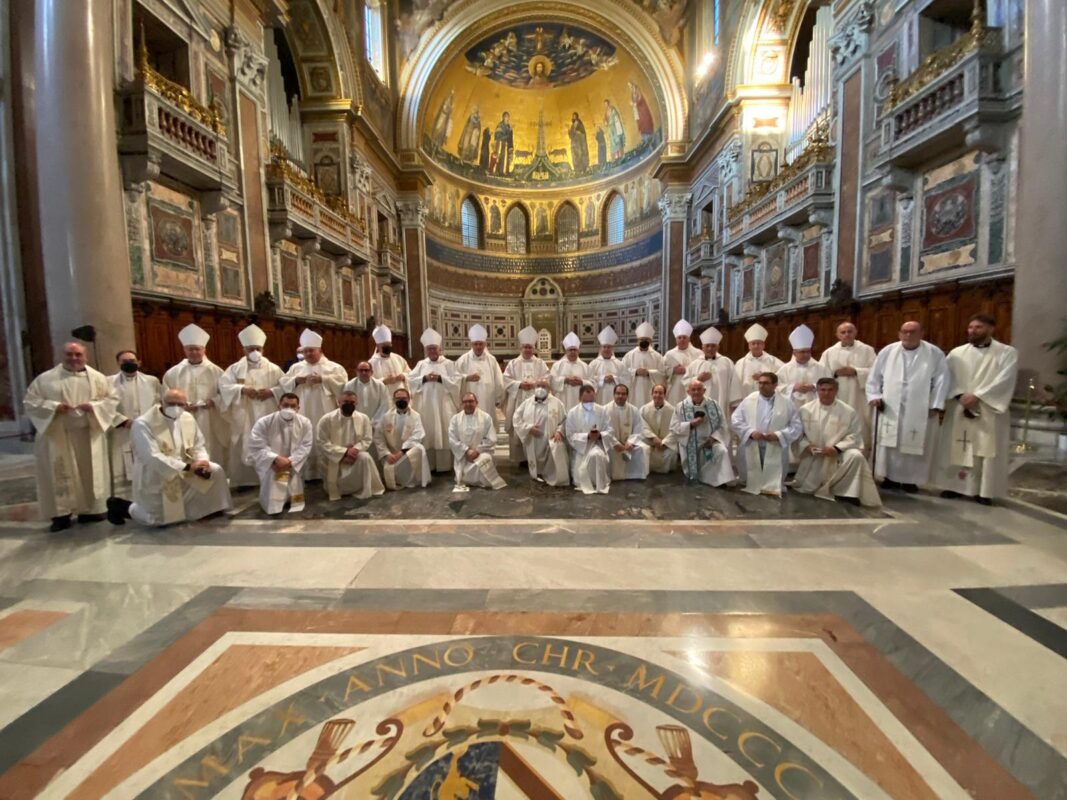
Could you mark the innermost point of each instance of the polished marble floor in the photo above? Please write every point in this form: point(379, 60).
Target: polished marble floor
point(662, 642)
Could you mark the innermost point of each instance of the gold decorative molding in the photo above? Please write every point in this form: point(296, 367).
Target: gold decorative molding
point(282, 168)
point(818, 151)
point(176, 93)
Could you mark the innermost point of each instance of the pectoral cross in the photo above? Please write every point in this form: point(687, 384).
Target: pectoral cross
point(964, 441)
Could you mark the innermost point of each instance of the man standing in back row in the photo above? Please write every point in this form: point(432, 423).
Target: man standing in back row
point(676, 361)
point(850, 361)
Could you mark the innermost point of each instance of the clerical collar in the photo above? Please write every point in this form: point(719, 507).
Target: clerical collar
point(983, 346)
point(75, 371)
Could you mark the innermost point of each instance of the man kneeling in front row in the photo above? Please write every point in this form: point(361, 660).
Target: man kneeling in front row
point(472, 438)
point(344, 438)
point(173, 480)
point(278, 448)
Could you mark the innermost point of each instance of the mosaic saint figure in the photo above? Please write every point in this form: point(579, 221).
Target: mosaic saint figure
point(616, 134)
point(579, 144)
point(471, 137)
point(442, 124)
point(483, 153)
point(642, 114)
point(601, 147)
point(503, 146)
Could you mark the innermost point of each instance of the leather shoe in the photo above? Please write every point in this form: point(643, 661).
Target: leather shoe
point(59, 524)
point(888, 484)
point(948, 494)
point(117, 510)
point(910, 488)
point(89, 519)
point(983, 501)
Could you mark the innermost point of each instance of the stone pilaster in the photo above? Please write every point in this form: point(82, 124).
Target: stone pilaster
point(412, 211)
point(674, 206)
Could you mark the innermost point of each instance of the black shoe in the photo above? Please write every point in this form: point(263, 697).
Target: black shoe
point(89, 519)
point(853, 501)
point(118, 510)
point(888, 484)
point(910, 488)
point(59, 524)
point(948, 494)
point(983, 501)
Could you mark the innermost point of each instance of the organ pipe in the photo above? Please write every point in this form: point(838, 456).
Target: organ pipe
point(285, 125)
point(810, 98)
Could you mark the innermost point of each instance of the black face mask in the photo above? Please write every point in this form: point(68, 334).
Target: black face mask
point(643, 345)
point(401, 404)
point(348, 408)
point(129, 367)
point(386, 349)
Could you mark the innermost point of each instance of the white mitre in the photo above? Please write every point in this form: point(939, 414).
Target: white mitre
point(682, 328)
point(571, 340)
point(431, 337)
point(608, 336)
point(645, 331)
point(711, 336)
point(756, 333)
point(310, 339)
point(382, 335)
point(193, 336)
point(528, 335)
point(802, 338)
point(252, 336)
point(478, 333)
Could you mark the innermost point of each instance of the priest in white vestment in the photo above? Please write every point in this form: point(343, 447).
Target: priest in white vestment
point(472, 437)
point(138, 392)
point(629, 450)
point(832, 463)
point(716, 372)
point(174, 480)
point(248, 391)
point(434, 385)
point(767, 425)
point(390, 368)
point(907, 386)
point(372, 397)
point(676, 361)
point(973, 454)
point(798, 376)
point(539, 425)
point(699, 427)
point(72, 407)
point(522, 376)
point(480, 372)
point(588, 429)
point(198, 378)
point(398, 438)
point(755, 361)
point(344, 438)
point(570, 372)
point(850, 361)
point(606, 371)
point(645, 366)
point(318, 382)
point(279, 446)
point(657, 415)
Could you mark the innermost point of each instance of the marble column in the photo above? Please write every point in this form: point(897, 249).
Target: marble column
point(1041, 235)
point(412, 212)
point(82, 230)
point(674, 206)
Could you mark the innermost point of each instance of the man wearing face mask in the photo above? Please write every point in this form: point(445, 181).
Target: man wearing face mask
point(390, 368)
point(398, 438)
point(371, 395)
point(589, 433)
point(198, 379)
point(173, 478)
point(72, 406)
point(246, 394)
point(279, 446)
point(539, 425)
point(472, 437)
point(344, 438)
point(644, 364)
point(317, 381)
point(137, 393)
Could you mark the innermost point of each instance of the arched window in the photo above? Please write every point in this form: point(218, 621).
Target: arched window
point(471, 223)
point(614, 220)
point(373, 40)
point(567, 229)
point(518, 230)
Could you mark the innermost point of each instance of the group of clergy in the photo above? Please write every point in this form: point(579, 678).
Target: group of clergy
point(127, 445)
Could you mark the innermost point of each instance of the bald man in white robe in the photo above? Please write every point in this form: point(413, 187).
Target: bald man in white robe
point(539, 425)
point(372, 397)
point(850, 361)
point(699, 427)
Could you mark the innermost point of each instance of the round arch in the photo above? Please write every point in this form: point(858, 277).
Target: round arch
point(323, 59)
point(762, 23)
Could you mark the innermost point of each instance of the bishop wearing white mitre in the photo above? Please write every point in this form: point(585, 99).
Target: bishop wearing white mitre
point(389, 367)
point(588, 429)
point(850, 361)
point(472, 437)
point(907, 385)
point(279, 446)
point(676, 362)
point(755, 361)
point(174, 479)
point(480, 372)
point(248, 391)
point(699, 426)
point(522, 376)
point(434, 385)
point(372, 397)
point(539, 425)
point(716, 372)
point(629, 450)
point(344, 438)
point(72, 406)
point(831, 450)
point(798, 376)
point(138, 392)
point(767, 425)
point(318, 382)
point(570, 372)
point(198, 378)
point(657, 415)
point(645, 366)
point(398, 438)
point(972, 457)
point(606, 371)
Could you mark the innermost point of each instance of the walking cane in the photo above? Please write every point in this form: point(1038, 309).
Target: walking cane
point(874, 436)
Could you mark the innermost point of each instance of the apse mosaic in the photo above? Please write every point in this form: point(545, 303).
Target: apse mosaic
point(541, 103)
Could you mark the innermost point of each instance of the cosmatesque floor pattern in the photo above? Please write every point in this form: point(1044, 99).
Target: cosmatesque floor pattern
point(662, 642)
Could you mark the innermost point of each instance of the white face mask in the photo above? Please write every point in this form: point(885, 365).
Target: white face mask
point(287, 414)
point(587, 406)
point(254, 356)
point(173, 412)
